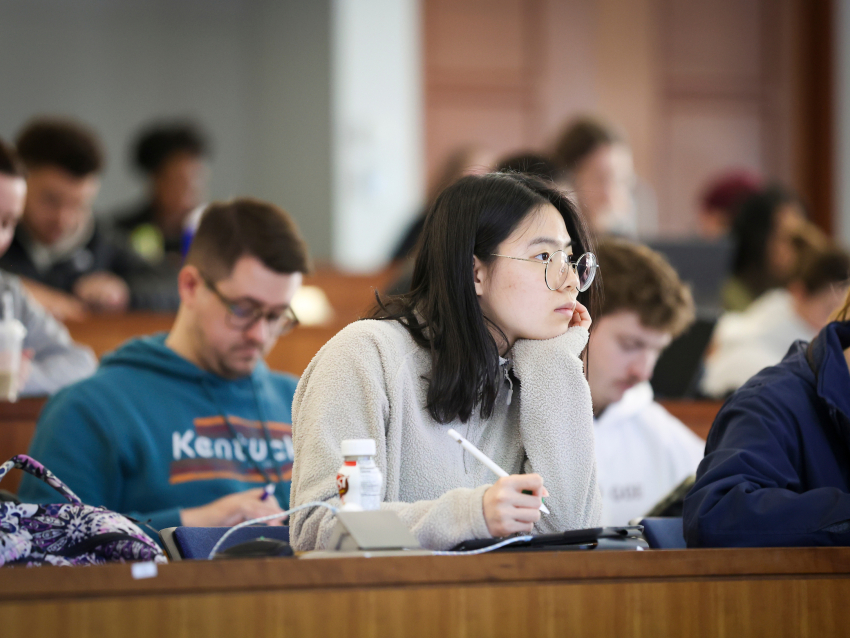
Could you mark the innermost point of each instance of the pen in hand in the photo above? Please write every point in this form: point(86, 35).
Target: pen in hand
point(486, 460)
point(268, 490)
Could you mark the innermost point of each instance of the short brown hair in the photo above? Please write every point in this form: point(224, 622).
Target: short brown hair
point(247, 227)
point(10, 163)
point(62, 143)
point(581, 137)
point(638, 279)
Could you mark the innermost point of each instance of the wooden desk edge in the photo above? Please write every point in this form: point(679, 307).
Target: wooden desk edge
point(284, 574)
point(25, 409)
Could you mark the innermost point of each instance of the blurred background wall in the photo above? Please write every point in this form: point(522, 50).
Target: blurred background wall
point(342, 110)
point(255, 74)
point(698, 86)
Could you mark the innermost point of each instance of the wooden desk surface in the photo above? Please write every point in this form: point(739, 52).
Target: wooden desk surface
point(17, 425)
point(753, 592)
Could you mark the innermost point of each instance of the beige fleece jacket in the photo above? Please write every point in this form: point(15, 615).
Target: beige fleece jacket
point(367, 383)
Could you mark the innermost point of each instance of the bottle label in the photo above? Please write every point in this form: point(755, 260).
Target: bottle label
point(370, 488)
point(359, 484)
point(342, 485)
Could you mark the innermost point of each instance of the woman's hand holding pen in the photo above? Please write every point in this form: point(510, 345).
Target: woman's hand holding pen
point(507, 510)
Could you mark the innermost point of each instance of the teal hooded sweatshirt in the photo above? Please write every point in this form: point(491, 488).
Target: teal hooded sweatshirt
point(151, 433)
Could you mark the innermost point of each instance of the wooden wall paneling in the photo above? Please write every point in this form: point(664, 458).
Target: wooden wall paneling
point(782, 147)
point(510, 73)
point(478, 41)
point(716, 88)
point(818, 163)
point(495, 126)
point(703, 141)
point(628, 76)
point(567, 82)
point(482, 63)
point(715, 41)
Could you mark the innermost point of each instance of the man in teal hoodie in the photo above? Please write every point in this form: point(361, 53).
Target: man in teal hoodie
point(191, 428)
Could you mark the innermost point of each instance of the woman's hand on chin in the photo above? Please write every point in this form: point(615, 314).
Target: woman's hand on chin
point(581, 317)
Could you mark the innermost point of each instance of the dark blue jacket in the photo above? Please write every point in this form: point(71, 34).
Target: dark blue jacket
point(777, 464)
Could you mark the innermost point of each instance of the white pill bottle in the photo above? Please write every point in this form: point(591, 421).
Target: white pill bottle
point(359, 480)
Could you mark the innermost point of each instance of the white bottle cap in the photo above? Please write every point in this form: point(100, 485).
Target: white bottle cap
point(358, 447)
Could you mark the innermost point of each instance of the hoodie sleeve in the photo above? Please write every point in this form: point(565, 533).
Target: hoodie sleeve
point(556, 427)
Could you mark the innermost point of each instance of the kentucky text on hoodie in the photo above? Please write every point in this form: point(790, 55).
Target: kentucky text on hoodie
point(151, 433)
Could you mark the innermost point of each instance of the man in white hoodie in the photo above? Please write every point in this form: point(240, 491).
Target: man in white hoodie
point(642, 451)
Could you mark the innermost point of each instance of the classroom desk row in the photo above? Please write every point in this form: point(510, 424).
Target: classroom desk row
point(17, 425)
point(774, 593)
point(350, 297)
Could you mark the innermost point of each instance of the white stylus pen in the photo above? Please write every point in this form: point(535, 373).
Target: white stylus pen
point(486, 460)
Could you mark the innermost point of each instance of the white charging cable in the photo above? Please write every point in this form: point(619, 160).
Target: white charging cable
point(489, 548)
point(264, 519)
point(335, 510)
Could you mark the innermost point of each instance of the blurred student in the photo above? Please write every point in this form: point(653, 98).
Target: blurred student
point(186, 428)
point(745, 342)
point(721, 200)
point(466, 160)
point(487, 342)
point(66, 260)
point(51, 359)
point(173, 158)
point(765, 233)
point(598, 167)
point(777, 467)
point(642, 451)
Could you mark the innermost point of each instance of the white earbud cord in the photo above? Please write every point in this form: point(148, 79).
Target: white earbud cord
point(271, 517)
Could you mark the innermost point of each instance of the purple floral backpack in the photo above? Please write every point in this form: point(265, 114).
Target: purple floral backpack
point(67, 533)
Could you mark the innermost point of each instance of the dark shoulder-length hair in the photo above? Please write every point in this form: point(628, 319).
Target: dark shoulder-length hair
point(751, 231)
point(470, 218)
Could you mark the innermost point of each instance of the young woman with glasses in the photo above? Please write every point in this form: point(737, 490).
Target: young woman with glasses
point(486, 342)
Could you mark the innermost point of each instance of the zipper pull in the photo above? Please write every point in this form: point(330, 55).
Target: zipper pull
point(510, 386)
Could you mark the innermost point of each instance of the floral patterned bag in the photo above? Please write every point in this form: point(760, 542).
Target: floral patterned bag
point(67, 533)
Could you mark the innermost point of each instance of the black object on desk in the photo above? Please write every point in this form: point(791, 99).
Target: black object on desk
point(624, 538)
point(257, 548)
point(187, 543)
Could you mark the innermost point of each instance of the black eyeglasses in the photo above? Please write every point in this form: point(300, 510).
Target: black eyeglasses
point(242, 314)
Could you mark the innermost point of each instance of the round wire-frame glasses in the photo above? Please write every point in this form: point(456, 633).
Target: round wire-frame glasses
point(558, 266)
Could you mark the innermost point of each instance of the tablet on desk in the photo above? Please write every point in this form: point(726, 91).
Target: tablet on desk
point(600, 538)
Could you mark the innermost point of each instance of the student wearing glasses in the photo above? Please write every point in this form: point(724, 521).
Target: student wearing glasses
point(191, 427)
point(487, 342)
